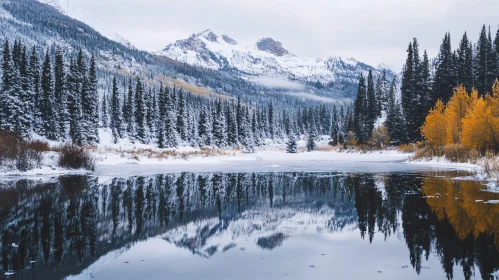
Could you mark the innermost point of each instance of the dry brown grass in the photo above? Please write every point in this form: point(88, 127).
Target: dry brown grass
point(166, 154)
point(452, 152)
point(327, 148)
point(407, 148)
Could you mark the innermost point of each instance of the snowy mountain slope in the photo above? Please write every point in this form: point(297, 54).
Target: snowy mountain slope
point(67, 8)
point(266, 58)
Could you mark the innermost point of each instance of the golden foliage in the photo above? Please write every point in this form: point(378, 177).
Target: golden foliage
point(455, 111)
point(434, 127)
point(462, 203)
point(466, 119)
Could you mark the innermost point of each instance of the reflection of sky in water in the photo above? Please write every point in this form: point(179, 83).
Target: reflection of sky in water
point(300, 225)
point(346, 257)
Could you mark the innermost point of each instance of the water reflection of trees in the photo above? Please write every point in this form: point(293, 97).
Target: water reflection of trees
point(67, 224)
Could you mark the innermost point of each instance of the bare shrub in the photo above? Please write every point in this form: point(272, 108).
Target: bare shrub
point(74, 157)
point(38, 145)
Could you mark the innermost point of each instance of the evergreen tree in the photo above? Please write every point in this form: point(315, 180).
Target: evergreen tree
point(232, 137)
point(104, 112)
point(372, 111)
point(140, 113)
point(334, 127)
point(74, 88)
point(205, 128)
point(271, 122)
point(182, 125)
point(397, 126)
point(171, 135)
point(90, 106)
point(445, 74)
point(465, 63)
point(47, 113)
point(311, 145)
point(219, 127)
point(60, 92)
point(482, 53)
point(129, 112)
point(116, 113)
point(360, 117)
point(34, 74)
point(291, 145)
point(492, 63)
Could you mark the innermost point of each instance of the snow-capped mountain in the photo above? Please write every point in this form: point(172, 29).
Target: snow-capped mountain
point(266, 58)
point(67, 8)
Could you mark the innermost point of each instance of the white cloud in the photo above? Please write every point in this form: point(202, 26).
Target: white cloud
point(371, 31)
point(275, 82)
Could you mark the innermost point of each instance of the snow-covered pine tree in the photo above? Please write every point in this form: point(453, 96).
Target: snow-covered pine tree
point(90, 106)
point(116, 113)
point(372, 111)
point(60, 93)
point(205, 128)
point(104, 114)
point(291, 145)
point(232, 137)
point(129, 113)
point(46, 108)
point(247, 139)
point(152, 113)
point(74, 88)
point(271, 123)
point(34, 74)
point(182, 121)
point(172, 138)
point(140, 113)
point(219, 134)
point(360, 117)
point(334, 127)
point(397, 126)
point(312, 137)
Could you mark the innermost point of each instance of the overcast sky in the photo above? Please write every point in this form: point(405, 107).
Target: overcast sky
point(371, 31)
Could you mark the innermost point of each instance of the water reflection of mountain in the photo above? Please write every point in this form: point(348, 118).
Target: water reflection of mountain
point(66, 225)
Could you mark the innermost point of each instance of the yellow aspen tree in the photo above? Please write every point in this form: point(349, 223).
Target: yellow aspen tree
point(481, 125)
point(455, 111)
point(433, 129)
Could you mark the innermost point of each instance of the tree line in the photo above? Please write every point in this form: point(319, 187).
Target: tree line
point(62, 97)
point(424, 81)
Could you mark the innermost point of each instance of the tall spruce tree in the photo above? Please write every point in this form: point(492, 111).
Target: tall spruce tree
point(116, 113)
point(47, 110)
point(334, 127)
point(372, 112)
point(182, 122)
point(90, 105)
point(360, 115)
point(60, 93)
point(219, 126)
point(140, 113)
point(104, 115)
point(446, 72)
point(465, 63)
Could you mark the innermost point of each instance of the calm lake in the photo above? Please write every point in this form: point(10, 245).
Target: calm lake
point(274, 225)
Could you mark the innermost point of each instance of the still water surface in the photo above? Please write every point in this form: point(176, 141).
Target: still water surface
point(281, 225)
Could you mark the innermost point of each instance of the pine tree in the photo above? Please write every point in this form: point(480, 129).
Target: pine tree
point(90, 106)
point(492, 63)
point(445, 74)
point(182, 125)
point(104, 112)
point(465, 63)
point(116, 113)
point(397, 126)
point(172, 138)
point(34, 74)
point(482, 52)
point(7, 76)
point(291, 145)
point(205, 128)
point(372, 111)
point(129, 113)
point(334, 127)
point(140, 113)
point(232, 137)
point(219, 127)
point(311, 145)
point(271, 122)
point(74, 88)
point(60, 92)
point(360, 113)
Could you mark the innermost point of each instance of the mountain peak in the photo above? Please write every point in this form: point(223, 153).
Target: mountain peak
point(208, 35)
point(271, 46)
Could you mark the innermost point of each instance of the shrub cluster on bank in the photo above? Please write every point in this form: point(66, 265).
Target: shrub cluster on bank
point(23, 155)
